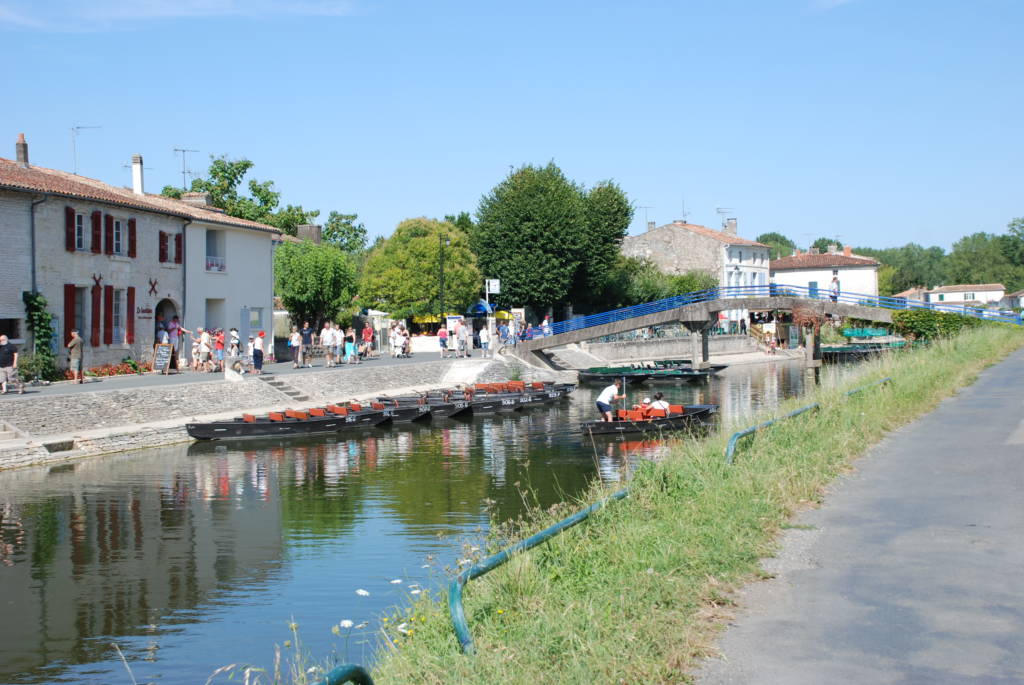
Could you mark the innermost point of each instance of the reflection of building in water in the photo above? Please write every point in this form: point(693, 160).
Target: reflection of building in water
point(95, 561)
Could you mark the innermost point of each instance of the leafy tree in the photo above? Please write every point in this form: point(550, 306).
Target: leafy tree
point(823, 243)
point(635, 281)
point(886, 274)
point(607, 214)
point(315, 282)
point(780, 245)
point(915, 266)
point(981, 258)
point(343, 231)
point(463, 221)
point(402, 273)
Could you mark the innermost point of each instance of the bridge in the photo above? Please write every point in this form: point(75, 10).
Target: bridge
point(698, 311)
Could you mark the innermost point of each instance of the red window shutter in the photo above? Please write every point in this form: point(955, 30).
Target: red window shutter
point(69, 229)
point(94, 338)
point(131, 238)
point(163, 246)
point(69, 311)
point(130, 319)
point(108, 238)
point(178, 248)
point(97, 232)
point(108, 314)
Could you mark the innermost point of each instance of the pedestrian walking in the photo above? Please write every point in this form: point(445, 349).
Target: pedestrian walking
point(464, 343)
point(75, 347)
point(295, 343)
point(442, 341)
point(234, 346)
point(367, 336)
point(485, 340)
point(327, 343)
point(307, 345)
point(545, 327)
point(9, 366)
point(257, 353)
point(350, 346)
point(834, 289)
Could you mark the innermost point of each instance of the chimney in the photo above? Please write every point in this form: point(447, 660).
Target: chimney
point(194, 199)
point(847, 251)
point(650, 225)
point(308, 232)
point(813, 250)
point(137, 185)
point(729, 226)
point(833, 248)
point(21, 151)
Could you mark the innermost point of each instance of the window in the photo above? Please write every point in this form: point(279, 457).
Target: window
point(80, 235)
point(968, 296)
point(11, 328)
point(256, 318)
point(118, 311)
point(215, 260)
point(119, 237)
point(942, 297)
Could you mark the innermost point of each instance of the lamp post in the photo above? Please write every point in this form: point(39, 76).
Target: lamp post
point(441, 242)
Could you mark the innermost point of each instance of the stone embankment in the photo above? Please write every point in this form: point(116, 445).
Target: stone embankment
point(59, 427)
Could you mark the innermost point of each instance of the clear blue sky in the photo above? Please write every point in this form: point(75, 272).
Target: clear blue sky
point(881, 121)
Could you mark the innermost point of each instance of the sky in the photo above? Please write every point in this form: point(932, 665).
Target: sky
point(877, 122)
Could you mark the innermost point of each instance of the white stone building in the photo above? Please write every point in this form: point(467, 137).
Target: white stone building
point(111, 260)
point(977, 295)
point(815, 271)
point(679, 247)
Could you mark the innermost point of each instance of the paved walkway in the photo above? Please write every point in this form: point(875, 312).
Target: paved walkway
point(913, 571)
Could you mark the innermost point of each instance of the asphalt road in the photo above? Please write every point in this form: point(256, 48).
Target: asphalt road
point(913, 571)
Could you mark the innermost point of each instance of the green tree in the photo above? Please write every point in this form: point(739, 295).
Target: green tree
point(915, 266)
point(635, 281)
point(402, 273)
point(530, 234)
point(607, 214)
point(780, 245)
point(886, 274)
point(463, 221)
point(981, 258)
point(315, 282)
point(343, 231)
point(822, 244)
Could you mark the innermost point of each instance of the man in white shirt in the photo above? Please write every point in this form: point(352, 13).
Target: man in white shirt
point(327, 343)
point(607, 397)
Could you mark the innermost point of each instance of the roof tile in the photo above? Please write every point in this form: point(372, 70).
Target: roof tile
point(818, 261)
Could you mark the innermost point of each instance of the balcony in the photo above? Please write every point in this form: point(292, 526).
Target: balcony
point(215, 263)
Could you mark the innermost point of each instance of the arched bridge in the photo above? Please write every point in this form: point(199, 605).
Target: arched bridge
point(698, 311)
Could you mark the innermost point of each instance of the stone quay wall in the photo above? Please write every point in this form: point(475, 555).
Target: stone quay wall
point(668, 348)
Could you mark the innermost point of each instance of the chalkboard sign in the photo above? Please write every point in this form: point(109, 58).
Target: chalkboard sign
point(162, 357)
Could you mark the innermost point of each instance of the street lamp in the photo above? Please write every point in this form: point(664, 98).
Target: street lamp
point(441, 242)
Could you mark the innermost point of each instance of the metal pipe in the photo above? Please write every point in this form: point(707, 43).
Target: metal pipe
point(862, 388)
point(731, 447)
point(32, 238)
point(347, 673)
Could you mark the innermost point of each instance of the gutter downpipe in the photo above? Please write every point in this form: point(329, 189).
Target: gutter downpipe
point(184, 268)
point(32, 257)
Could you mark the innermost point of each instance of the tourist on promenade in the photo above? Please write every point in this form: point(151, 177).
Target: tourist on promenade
point(205, 349)
point(327, 343)
point(338, 338)
point(391, 337)
point(295, 343)
point(257, 353)
point(218, 348)
point(442, 341)
point(350, 346)
point(75, 347)
point(235, 343)
point(307, 344)
point(834, 289)
point(367, 336)
point(400, 342)
point(9, 366)
point(545, 327)
point(609, 396)
point(465, 346)
point(485, 340)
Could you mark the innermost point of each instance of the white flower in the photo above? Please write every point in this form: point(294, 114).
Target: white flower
point(362, 593)
point(415, 592)
point(361, 625)
point(463, 562)
point(396, 581)
point(402, 628)
point(346, 623)
point(474, 549)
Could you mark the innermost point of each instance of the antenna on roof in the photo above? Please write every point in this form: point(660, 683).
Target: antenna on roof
point(685, 213)
point(647, 226)
point(724, 212)
point(74, 145)
point(184, 166)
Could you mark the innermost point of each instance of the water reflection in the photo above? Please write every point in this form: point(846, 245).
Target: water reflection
point(194, 558)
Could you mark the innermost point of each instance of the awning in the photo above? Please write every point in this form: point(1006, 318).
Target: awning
point(481, 308)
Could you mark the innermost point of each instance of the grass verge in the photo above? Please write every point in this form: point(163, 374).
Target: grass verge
point(639, 592)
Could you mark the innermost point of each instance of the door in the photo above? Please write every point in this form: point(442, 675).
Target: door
point(812, 288)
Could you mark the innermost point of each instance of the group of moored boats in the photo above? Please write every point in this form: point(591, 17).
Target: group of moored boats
point(665, 371)
point(481, 399)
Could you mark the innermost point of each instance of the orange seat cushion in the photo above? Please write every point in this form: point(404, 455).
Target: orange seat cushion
point(355, 407)
point(317, 411)
point(376, 405)
point(656, 413)
point(335, 409)
point(248, 418)
point(677, 408)
point(275, 416)
point(301, 415)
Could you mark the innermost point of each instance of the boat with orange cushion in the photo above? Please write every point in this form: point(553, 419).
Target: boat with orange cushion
point(332, 418)
point(677, 417)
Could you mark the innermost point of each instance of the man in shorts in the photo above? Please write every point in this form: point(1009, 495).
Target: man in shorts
point(607, 397)
point(75, 346)
point(9, 366)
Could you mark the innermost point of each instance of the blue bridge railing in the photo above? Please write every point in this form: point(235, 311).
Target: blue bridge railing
point(727, 292)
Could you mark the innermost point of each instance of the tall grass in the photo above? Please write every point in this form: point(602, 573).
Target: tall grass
point(641, 590)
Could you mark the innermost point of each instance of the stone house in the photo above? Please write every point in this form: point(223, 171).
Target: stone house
point(679, 247)
point(976, 295)
point(112, 261)
point(815, 271)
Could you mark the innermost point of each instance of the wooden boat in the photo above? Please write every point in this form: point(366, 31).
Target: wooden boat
point(637, 421)
point(330, 419)
point(630, 376)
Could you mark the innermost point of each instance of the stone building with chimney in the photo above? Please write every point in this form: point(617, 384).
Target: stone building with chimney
point(113, 261)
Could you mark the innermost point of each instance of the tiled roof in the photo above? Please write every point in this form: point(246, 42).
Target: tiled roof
point(968, 288)
point(37, 179)
point(720, 236)
point(818, 261)
point(912, 294)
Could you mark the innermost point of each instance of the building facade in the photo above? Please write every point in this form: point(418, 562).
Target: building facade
point(114, 262)
point(815, 272)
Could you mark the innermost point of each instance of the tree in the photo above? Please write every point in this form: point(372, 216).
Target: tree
point(607, 214)
point(915, 266)
point(315, 282)
point(886, 274)
point(822, 244)
point(402, 273)
point(981, 258)
point(780, 245)
point(463, 221)
point(635, 281)
point(343, 231)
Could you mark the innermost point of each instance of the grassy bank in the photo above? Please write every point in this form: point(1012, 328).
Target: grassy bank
point(639, 593)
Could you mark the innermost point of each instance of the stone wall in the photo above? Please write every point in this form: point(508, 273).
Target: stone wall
point(16, 273)
point(676, 250)
point(668, 348)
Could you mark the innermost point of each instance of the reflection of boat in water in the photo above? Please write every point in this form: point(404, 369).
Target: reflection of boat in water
point(857, 351)
point(676, 418)
point(483, 399)
point(668, 371)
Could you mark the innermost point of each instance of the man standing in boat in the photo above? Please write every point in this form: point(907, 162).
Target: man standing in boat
point(607, 397)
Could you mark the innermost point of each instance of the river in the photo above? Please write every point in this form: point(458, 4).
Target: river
point(189, 559)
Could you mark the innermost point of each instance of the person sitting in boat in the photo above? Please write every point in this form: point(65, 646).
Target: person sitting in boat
point(608, 396)
point(644, 405)
point(659, 402)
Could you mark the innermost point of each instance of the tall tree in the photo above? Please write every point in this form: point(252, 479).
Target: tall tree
point(780, 245)
point(530, 234)
point(981, 258)
point(343, 231)
point(314, 282)
point(915, 266)
point(822, 244)
point(463, 221)
point(607, 215)
point(402, 274)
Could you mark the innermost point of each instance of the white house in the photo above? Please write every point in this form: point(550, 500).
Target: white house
point(679, 247)
point(110, 261)
point(977, 295)
point(815, 271)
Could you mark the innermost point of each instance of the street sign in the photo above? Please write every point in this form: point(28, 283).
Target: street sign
point(493, 286)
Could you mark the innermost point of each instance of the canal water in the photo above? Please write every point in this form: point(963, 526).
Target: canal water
point(195, 557)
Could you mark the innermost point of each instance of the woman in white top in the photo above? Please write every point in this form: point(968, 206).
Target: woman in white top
point(659, 402)
point(295, 342)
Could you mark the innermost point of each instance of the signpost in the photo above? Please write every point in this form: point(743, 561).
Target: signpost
point(492, 286)
point(162, 357)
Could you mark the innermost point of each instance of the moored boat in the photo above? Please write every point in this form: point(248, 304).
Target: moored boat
point(638, 421)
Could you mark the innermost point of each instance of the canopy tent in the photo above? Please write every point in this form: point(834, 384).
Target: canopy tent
point(481, 308)
point(430, 318)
